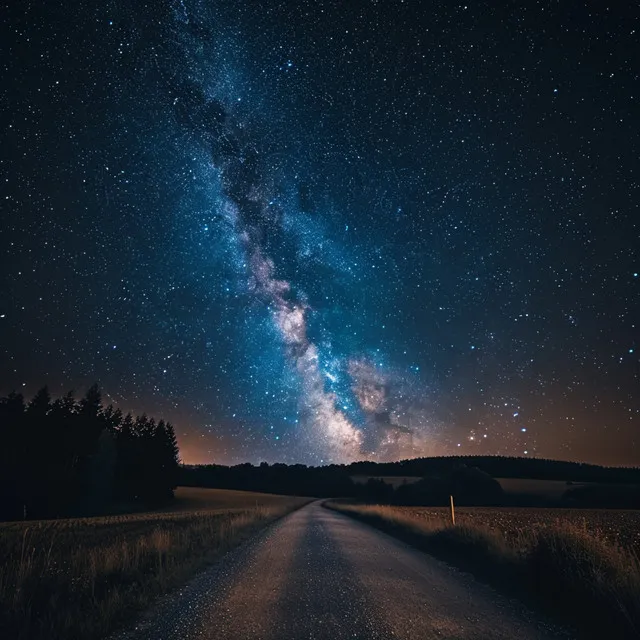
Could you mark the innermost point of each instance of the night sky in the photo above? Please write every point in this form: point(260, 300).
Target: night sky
point(326, 231)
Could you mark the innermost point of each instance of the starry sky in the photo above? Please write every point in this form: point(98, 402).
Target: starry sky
point(329, 231)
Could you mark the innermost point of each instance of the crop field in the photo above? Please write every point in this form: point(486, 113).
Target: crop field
point(199, 499)
point(553, 489)
point(617, 527)
point(83, 577)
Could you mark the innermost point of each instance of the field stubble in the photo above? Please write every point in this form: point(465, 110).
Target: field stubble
point(620, 528)
point(82, 578)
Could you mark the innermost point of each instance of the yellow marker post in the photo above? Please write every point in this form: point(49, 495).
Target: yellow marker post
point(453, 512)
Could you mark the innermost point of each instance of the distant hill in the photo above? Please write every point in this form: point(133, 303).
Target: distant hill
point(501, 467)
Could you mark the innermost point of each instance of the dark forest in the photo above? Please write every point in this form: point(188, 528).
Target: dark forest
point(66, 457)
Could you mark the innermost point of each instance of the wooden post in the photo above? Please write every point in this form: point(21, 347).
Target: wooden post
point(453, 512)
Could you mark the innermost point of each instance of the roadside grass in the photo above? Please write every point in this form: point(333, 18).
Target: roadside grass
point(577, 577)
point(86, 577)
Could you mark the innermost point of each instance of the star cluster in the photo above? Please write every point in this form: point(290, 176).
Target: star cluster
point(324, 231)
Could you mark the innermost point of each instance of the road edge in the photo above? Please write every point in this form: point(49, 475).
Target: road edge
point(483, 554)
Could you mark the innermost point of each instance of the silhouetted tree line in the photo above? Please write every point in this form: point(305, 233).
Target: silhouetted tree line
point(293, 480)
point(471, 486)
point(465, 477)
point(65, 456)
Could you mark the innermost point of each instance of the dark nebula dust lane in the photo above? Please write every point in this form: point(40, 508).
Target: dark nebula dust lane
point(320, 575)
point(321, 232)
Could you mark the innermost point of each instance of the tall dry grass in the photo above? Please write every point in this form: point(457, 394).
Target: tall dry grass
point(578, 577)
point(83, 578)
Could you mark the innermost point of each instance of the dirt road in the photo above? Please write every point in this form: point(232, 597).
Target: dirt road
point(317, 574)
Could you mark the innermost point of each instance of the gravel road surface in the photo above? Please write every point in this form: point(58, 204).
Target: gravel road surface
point(318, 575)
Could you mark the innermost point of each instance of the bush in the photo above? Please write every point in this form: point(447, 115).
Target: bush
point(472, 486)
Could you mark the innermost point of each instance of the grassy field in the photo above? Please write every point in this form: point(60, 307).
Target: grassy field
point(586, 580)
point(199, 499)
point(82, 578)
point(551, 489)
point(616, 527)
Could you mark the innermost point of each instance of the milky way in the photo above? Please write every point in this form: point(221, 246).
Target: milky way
point(323, 231)
point(248, 202)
